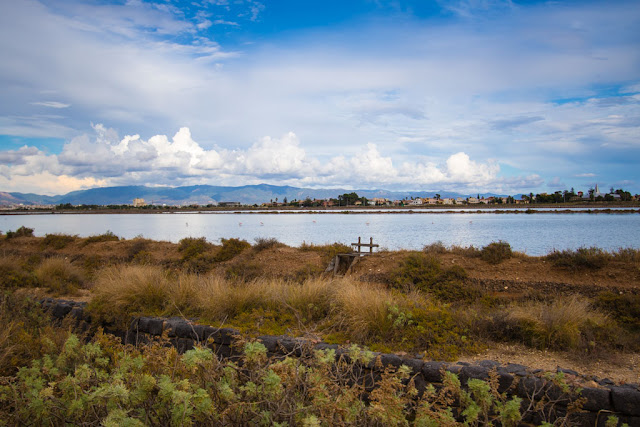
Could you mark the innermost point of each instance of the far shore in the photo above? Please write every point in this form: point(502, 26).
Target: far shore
point(560, 208)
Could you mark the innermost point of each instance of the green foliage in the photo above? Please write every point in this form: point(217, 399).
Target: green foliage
point(20, 232)
point(581, 258)
point(230, 248)
point(104, 382)
point(58, 241)
point(108, 236)
point(425, 272)
point(496, 252)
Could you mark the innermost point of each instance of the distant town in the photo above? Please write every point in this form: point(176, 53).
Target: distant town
point(352, 200)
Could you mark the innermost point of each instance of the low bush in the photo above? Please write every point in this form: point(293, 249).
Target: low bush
point(328, 251)
point(587, 258)
point(425, 273)
point(108, 236)
point(624, 308)
point(13, 274)
point(627, 255)
point(230, 248)
point(195, 254)
point(435, 248)
point(59, 276)
point(20, 232)
point(105, 383)
point(264, 243)
point(26, 333)
point(496, 252)
point(58, 241)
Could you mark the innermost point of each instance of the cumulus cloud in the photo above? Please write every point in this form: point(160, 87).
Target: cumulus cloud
point(106, 159)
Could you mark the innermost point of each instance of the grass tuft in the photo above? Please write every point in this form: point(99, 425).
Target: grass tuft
point(59, 276)
point(264, 243)
point(58, 241)
point(108, 236)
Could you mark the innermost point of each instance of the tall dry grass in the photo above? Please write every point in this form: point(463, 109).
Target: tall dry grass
point(59, 276)
point(565, 323)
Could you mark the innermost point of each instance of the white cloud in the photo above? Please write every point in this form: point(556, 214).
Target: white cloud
point(105, 159)
point(51, 104)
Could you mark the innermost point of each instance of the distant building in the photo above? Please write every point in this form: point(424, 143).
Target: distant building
point(229, 204)
point(138, 203)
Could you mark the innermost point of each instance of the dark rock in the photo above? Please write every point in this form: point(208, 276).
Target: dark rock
point(505, 380)
point(184, 344)
point(431, 371)
point(489, 364)
point(184, 329)
point(626, 400)
point(270, 342)
point(325, 346)
point(60, 310)
point(463, 363)
point(476, 372)
point(598, 399)
point(454, 369)
point(391, 360)
point(517, 369)
point(287, 345)
point(199, 331)
point(606, 382)
point(414, 364)
point(224, 336)
point(155, 326)
point(568, 371)
point(531, 387)
point(77, 312)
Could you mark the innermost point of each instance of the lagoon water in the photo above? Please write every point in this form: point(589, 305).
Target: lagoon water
point(535, 234)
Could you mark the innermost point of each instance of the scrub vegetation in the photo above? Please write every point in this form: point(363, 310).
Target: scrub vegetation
point(440, 303)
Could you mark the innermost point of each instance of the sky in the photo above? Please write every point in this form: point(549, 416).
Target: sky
point(469, 95)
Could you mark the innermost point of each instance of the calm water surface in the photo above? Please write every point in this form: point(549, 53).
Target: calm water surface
point(535, 234)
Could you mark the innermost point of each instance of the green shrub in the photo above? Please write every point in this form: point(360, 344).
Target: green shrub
point(496, 252)
point(108, 236)
point(20, 232)
point(425, 273)
point(230, 248)
point(195, 254)
point(14, 275)
point(263, 243)
point(328, 251)
point(58, 241)
point(435, 248)
point(105, 383)
point(590, 258)
point(624, 308)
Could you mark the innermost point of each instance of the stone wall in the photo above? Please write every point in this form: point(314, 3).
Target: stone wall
point(608, 399)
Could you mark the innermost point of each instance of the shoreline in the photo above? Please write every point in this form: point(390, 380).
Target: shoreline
point(544, 209)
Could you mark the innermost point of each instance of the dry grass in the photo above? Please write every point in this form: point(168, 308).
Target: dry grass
point(564, 323)
point(59, 276)
point(120, 292)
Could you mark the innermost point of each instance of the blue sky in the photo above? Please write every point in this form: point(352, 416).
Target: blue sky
point(469, 96)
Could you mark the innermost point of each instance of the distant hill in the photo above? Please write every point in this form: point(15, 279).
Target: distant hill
point(203, 195)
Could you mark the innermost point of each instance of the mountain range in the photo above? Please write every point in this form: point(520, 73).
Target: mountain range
point(204, 194)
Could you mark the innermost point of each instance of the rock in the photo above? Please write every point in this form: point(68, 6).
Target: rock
point(598, 399)
point(431, 371)
point(626, 400)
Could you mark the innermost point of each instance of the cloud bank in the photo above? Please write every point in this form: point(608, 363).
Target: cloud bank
point(104, 159)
